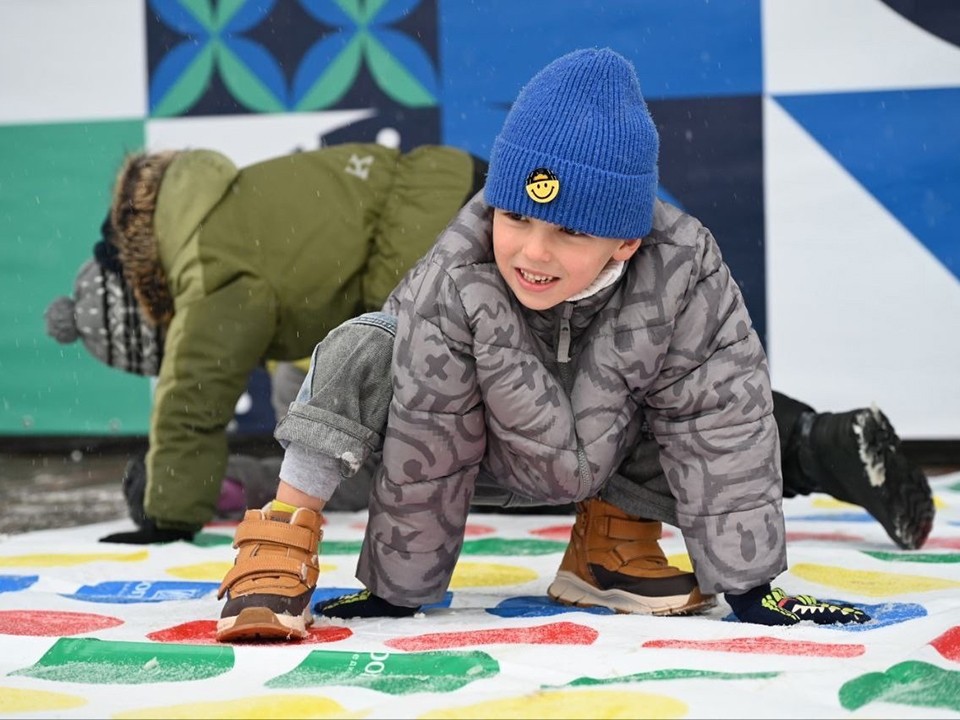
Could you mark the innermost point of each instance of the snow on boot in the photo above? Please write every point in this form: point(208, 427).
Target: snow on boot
point(855, 457)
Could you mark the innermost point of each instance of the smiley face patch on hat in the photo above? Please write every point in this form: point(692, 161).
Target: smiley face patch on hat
point(542, 185)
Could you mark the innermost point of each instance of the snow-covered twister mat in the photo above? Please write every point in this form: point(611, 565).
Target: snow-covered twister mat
point(111, 631)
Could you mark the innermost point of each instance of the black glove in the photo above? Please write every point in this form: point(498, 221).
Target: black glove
point(772, 606)
point(148, 534)
point(363, 604)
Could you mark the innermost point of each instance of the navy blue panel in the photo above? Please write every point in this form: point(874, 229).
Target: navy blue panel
point(903, 146)
point(666, 196)
point(938, 17)
point(415, 126)
point(682, 48)
point(260, 418)
point(711, 162)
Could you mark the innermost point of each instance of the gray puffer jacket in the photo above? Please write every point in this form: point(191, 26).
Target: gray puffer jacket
point(550, 403)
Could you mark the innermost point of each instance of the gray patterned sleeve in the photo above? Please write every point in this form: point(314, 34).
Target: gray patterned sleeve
point(711, 411)
point(434, 443)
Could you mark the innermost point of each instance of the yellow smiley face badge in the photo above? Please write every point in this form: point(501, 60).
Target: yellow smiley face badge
point(542, 185)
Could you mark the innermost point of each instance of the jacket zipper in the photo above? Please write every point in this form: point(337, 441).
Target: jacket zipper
point(563, 342)
point(563, 359)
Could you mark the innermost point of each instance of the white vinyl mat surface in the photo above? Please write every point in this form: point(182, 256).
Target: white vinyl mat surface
point(91, 630)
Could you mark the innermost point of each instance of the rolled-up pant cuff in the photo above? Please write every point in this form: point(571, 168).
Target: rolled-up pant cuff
point(642, 500)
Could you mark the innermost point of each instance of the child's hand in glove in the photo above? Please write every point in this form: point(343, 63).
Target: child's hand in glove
point(363, 604)
point(771, 606)
point(148, 534)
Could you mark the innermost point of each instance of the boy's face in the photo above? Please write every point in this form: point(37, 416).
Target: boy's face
point(546, 264)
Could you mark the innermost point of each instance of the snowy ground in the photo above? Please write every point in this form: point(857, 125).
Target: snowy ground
point(40, 491)
point(94, 630)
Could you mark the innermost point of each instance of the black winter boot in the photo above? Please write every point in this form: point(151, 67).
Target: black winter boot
point(788, 413)
point(134, 486)
point(855, 457)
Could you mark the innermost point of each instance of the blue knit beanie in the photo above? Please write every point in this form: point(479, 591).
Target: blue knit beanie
point(579, 148)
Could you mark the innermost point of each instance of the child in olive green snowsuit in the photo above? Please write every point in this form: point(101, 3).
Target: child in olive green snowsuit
point(225, 267)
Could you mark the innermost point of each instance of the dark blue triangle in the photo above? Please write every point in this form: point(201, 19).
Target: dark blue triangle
point(903, 146)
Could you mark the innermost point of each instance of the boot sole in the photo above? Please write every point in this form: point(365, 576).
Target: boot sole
point(259, 623)
point(899, 498)
point(569, 589)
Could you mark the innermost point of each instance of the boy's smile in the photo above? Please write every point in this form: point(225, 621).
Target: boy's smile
point(545, 264)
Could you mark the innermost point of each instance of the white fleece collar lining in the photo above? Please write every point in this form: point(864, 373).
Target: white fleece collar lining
point(608, 276)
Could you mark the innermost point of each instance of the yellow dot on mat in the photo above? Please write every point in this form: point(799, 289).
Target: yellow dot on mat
point(470, 574)
point(828, 503)
point(17, 701)
point(824, 502)
point(680, 560)
point(59, 560)
point(569, 704)
point(869, 582)
point(272, 706)
point(214, 570)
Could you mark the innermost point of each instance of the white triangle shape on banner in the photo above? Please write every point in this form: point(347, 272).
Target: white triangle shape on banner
point(858, 309)
point(848, 45)
point(247, 139)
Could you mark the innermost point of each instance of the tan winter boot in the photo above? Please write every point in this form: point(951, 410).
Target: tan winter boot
point(615, 561)
point(273, 578)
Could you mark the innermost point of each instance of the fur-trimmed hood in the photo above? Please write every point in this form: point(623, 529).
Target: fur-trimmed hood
point(159, 199)
point(134, 203)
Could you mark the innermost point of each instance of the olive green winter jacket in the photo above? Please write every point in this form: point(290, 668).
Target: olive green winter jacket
point(261, 263)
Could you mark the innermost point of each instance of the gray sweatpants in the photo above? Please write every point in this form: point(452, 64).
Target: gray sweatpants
point(333, 431)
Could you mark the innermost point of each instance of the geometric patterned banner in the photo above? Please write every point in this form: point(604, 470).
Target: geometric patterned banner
point(816, 140)
point(885, 139)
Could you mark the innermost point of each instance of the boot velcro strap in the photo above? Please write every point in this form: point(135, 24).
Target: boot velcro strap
point(650, 554)
point(626, 529)
point(268, 565)
point(269, 531)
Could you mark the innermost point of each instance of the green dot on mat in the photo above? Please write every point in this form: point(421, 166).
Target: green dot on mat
point(205, 539)
point(512, 547)
point(913, 683)
point(945, 558)
point(106, 662)
point(340, 547)
point(392, 673)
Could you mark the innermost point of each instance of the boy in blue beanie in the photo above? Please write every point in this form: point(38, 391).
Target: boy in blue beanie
point(565, 323)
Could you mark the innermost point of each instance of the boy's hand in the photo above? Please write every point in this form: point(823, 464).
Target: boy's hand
point(363, 604)
point(772, 606)
point(823, 613)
